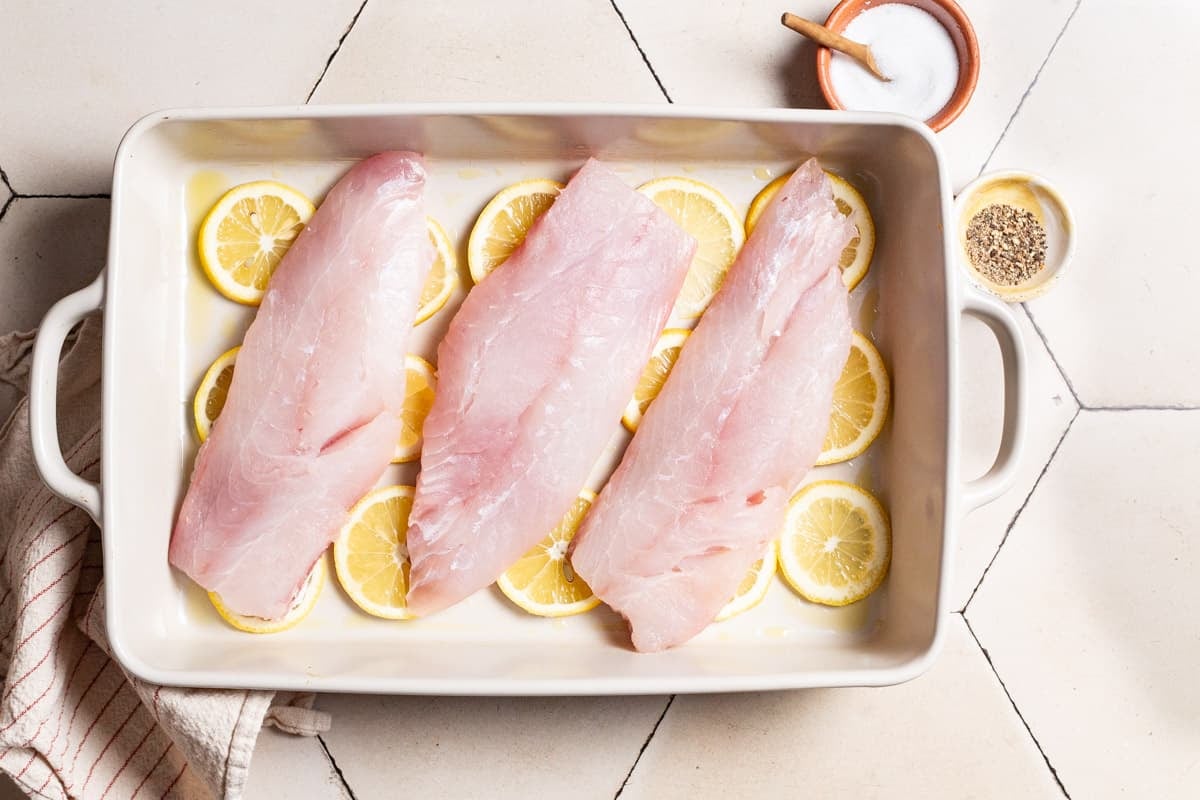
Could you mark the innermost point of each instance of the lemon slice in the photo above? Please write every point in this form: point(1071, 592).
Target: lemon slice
point(244, 236)
point(753, 587)
point(836, 543)
point(303, 603)
point(703, 212)
point(860, 404)
point(420, 386)
point(370, 555)
point(214, 388)
point(542, 581)
point(443, 275)
point(504, 221)
point(654, 375)
point(856, 258)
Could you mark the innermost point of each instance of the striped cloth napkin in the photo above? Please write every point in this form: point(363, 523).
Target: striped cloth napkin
point(72, 722)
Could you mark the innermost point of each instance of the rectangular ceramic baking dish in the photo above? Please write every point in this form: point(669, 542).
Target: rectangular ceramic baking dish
point(163, 324)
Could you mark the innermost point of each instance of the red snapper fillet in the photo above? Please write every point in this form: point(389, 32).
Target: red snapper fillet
point(532, 377)
point(313, 413)
point(705, 483)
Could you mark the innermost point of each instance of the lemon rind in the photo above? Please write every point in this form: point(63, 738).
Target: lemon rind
point(206, 249)
point(793, 573)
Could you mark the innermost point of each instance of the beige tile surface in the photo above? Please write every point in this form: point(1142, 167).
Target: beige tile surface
point(1014, 39)
point(288, 767)
point(1115, 137)
point(572, 50)
point(739, 54)
point(950, 733)
point(981, 385)
point(48, 249)
point(1090, 611)
point(456, 747)
point(77, 75)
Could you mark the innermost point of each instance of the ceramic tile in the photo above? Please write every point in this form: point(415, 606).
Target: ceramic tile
point(981, 388)
point(1122, 323)
point(49, 247)
point(738, 54)
point(1090, 610)
point(1014, 40)
point(949, 733)
point(77, 75)
point(438, 747)
point(567, 50)
point(288, 767)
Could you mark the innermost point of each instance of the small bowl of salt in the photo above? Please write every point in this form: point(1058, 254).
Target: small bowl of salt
point(1014, 234)
point(927, 48)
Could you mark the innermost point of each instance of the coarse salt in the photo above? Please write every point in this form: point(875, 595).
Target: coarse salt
point(912, 48)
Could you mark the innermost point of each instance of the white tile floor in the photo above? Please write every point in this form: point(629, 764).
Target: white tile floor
point(1088, 599)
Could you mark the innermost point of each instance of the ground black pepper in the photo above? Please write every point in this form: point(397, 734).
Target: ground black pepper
point(1006, 244)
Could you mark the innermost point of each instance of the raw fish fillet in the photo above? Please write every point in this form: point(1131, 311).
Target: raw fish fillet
point(532, 377)
point(313, 413)
point(705, 483)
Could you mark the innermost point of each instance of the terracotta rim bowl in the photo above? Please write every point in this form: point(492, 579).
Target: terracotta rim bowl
point(952, 18)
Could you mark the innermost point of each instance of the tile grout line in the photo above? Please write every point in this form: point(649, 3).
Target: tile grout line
point(987, 657)
point(1075, 393)
point(11, 194)
point(1054, 358)
point(645, 744)
point(642, 53)
point(337, 770)
point(1036, 75)
point(336, 50)
point(96, 196)
point(1012, 523)
point(1144, 407)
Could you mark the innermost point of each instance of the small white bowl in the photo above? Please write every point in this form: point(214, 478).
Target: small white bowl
point(1034, 194)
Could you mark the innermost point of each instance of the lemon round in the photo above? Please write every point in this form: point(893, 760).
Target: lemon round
point(856, 257)
point(504, 221)
point(244, 236)
point(302, 605)
point(666, 351)
point(214, 389)
point(443, 275)
point(542, 581)
point(420, 387)
point(754, 586)
point(703, 212)
point(370, 555)
point(836, 544)
point(860, 404)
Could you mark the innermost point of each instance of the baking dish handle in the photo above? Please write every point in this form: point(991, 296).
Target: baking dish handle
point(1003, 324)
point(43, 397)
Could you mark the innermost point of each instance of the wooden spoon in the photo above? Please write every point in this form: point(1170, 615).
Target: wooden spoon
point(835, 41)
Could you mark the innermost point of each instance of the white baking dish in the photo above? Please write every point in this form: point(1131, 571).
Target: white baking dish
point(163, 324)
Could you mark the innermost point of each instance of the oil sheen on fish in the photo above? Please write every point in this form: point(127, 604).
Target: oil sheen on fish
point(532, 377)
point(313, 412)
point(704, 485)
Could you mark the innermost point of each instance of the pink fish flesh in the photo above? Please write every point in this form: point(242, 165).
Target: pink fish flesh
point(532, 377)
point(705, 483)
point(313, 413)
